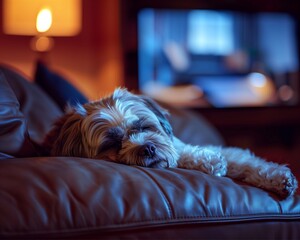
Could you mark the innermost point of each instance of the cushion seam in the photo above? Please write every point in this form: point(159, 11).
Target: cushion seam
point(156, 221)
point(170, 209)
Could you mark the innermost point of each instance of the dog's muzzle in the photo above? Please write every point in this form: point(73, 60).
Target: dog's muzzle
point(148, 150)
point(151, 160)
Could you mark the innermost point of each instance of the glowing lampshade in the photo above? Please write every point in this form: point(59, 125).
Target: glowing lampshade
point(50, 17)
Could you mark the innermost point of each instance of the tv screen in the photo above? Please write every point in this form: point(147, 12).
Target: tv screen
point(233, 58)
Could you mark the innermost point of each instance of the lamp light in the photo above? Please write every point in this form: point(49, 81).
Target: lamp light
point(42, 19)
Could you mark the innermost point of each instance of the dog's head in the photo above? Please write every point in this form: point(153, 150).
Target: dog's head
point(122, 127)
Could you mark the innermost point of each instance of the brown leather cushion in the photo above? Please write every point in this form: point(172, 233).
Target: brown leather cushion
point(26, 114)
point(70, 197)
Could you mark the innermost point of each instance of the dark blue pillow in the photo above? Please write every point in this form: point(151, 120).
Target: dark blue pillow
point(57, 87)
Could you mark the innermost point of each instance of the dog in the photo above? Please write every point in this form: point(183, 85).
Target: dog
point(134, 130)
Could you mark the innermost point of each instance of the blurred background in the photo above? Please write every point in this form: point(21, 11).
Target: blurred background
point(235, 58)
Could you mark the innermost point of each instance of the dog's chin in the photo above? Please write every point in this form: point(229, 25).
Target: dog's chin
point(168, 159)
point(156, 163)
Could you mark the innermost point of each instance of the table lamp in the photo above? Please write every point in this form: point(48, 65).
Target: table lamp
point(42, 19)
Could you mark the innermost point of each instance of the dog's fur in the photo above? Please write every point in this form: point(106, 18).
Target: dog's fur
point(134, 130)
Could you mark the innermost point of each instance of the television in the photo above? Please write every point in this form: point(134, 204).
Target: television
point(234, 55)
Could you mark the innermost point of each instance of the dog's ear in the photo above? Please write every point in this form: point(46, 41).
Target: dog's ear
point(161, 113)
point(65, 139)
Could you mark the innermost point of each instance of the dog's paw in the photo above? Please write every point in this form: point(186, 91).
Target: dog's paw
point(211, 162)
point(204, 159)
point(285, 184)
point(280, 180)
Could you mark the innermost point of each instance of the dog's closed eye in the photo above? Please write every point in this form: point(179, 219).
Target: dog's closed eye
point(113, 140)
point(142, 125)
point(110, 144)
point(116, 133)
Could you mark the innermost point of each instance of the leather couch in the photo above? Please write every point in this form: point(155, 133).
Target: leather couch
point(75, 198)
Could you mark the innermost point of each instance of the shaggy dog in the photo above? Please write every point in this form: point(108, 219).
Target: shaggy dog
point(134, 130)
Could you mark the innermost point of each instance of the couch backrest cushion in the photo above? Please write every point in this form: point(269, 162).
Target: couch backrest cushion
point(14, 138)
point(26, 114)
point(57, 87)
point(191, 127)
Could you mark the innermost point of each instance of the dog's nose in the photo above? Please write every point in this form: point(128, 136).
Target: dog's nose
point(148, 150)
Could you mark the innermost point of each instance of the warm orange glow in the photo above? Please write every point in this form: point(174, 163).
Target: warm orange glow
point(20, 17)
point(44, 20)
point(41, 44)
point(261, 86)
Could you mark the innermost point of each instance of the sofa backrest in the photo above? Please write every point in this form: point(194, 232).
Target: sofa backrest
point(26, 114)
